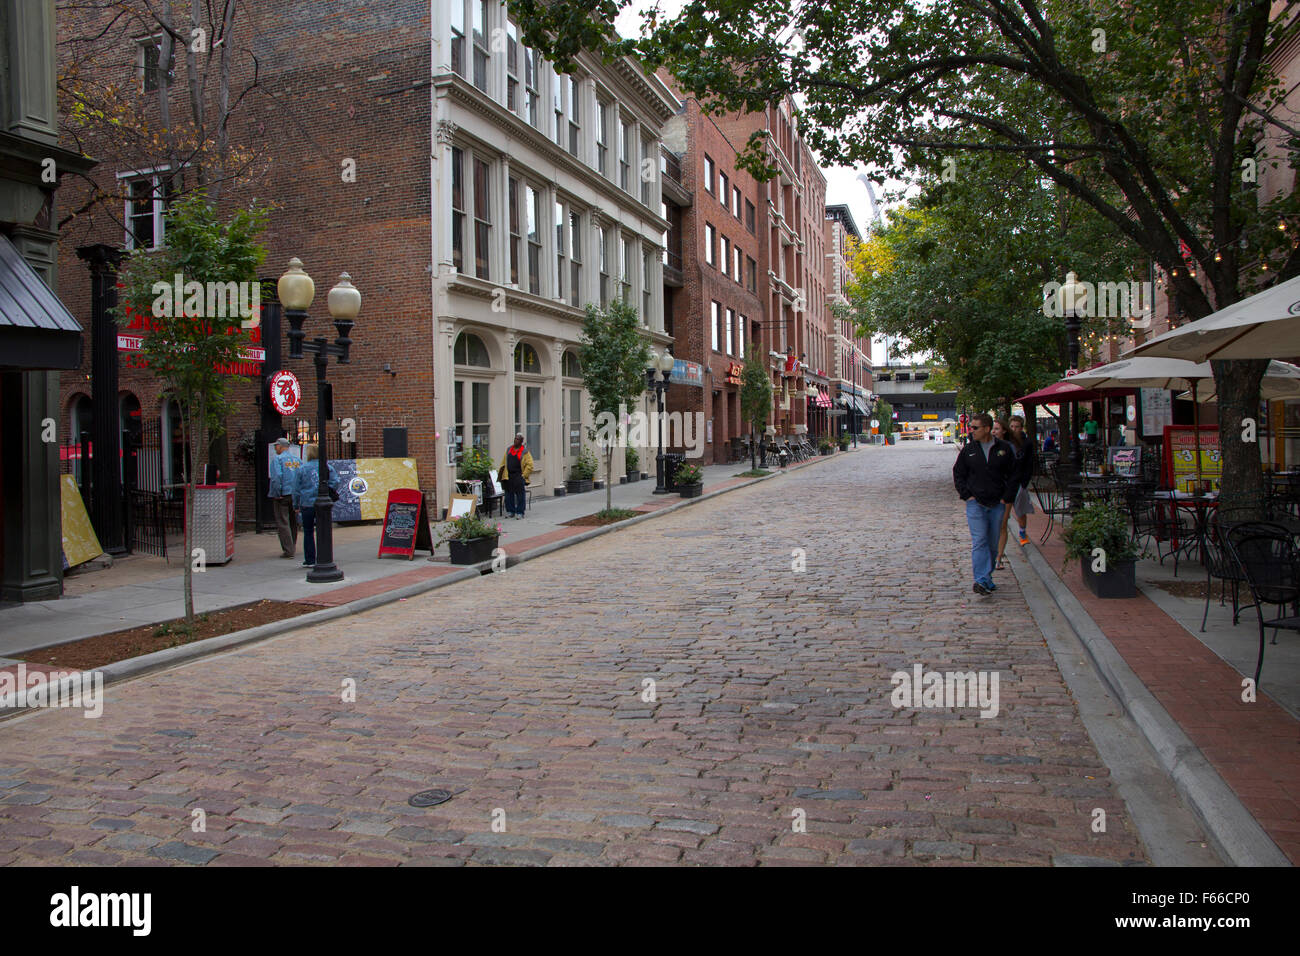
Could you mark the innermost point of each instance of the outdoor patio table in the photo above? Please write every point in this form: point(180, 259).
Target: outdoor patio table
point(1199, 505)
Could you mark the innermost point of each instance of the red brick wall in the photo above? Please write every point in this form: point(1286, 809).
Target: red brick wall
point(335, 82)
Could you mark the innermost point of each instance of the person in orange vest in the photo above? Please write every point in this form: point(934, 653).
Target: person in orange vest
point(516, 467)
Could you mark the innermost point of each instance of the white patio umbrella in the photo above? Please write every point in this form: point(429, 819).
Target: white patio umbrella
point(1146, 372)
point(1281, 381)
point(1266, 325)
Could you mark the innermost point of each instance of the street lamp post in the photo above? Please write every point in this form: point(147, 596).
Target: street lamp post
point(296, 291)
point(662, 364)
point(1073, 306)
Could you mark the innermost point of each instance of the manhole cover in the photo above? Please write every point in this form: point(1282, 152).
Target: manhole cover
point(430, 798)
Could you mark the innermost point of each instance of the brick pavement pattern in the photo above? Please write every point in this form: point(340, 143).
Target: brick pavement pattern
point(525, 694)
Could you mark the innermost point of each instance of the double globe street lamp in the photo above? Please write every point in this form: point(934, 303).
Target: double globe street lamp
point(1071, 302)
point(663, 365)
point(296, 291)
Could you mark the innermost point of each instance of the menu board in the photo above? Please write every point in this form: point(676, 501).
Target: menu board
point(404, 520)
point(1180, 456)
point(1125, 459)
point(1157, 411)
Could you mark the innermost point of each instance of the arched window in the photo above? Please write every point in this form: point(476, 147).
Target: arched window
point(572, 368)
point(527, 360)
point(470, 350)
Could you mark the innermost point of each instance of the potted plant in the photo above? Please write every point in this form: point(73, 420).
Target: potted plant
point(844, 442)
point(689, 481)
point(824, 445)
point(1098, 537)
point(633, 462)
point(470, 539)
point(475, 464)
point(581, 473)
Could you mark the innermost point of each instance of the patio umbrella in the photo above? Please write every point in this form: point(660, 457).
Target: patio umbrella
point(1266, 325)
point(1146, 372)
point(1281, 381)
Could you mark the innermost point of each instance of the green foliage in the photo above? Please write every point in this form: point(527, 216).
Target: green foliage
point(884, 414)
point(1099, 525)
point(688, 474)
point(467, 528)
point(584, 466)
point(755, 390)
point(476, 464)
point(616, 514)
point(631, 459)
point(824, 444)
point(844, 442)
point(614, 354)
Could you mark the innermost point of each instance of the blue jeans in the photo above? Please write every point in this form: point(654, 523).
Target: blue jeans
point(309, 534)
point(985, 527)
point(515, 502)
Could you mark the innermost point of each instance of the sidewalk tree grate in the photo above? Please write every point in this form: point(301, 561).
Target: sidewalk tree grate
point(430, 798)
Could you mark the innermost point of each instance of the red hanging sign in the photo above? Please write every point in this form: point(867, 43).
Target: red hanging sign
point(286, 392)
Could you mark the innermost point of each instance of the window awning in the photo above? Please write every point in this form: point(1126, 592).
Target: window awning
point(36, 330)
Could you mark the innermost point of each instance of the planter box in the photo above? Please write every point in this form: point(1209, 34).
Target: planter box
point(1119, 581)
point(691, 491)
point(827, 451)
point(633, 476)
point(472, 551)
point(577, 486)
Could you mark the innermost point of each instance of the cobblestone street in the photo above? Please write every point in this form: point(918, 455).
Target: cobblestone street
point(527, 695)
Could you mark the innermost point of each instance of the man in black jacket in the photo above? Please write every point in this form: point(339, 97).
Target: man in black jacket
point(987, 477)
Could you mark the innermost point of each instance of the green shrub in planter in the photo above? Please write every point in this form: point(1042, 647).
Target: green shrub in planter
point(632, 461)
point(476, 464)
point(584, 469)
point(844, 443)
point(1102, 526)
point(824, 445)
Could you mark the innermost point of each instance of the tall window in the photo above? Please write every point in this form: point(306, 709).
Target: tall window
point(625, 154)
point(534, 207)
point(647, 285)
point(528, 417)
point(753, 274)
point(602, 237)
point(602, 137)
point(149, 61)
point(532, 94)
point(726, 255)
point(481, 44)
point(515, 240)
point(561, 262)
point(749, 215)
point(557, 97)
point(458, 37)
point(716, 323)
point(739, 273)
point(575, 118)
point(740, 337)
point(575, 258)
point(731, 321)
point(710, 241)
point(573, 417)
point(646, 171)
point(735, 195)
point(148, 197)
point(473, 430)
point(482, 219)
point(512, 67)
point(724, 187)
point(708, 174)
point(626, 256)
point(457, 207)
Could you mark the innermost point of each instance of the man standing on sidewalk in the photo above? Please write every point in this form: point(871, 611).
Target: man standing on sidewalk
point(987, 479)
point(283, 465)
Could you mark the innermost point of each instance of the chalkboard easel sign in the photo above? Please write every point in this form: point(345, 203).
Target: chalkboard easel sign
point(406, 526)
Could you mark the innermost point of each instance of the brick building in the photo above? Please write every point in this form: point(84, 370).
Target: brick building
point(851, 353)
point(476, 198)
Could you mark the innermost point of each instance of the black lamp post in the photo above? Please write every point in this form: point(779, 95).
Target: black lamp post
point(1073, 306)
point(662, 364)
point(296, 291)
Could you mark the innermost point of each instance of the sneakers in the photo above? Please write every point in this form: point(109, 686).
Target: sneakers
point(991, 587)
point(979, 588)
point(1023, 538)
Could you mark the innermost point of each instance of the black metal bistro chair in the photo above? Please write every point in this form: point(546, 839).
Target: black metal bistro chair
point(1267, 557)
point(1053, 497)
point(1219, 563)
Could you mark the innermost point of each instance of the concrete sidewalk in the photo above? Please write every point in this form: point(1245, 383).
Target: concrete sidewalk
point(142, 589)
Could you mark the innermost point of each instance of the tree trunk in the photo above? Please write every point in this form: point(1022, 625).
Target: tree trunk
point(609, 477)
point(753, 449)
point(196, 90)
point(223, 98)
point(1242, 493)
point(187, 472)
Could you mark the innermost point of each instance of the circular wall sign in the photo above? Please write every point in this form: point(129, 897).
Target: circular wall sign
point(286, 393)
point(875, 423)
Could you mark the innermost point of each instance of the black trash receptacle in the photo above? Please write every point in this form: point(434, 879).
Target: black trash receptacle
point(672, 461)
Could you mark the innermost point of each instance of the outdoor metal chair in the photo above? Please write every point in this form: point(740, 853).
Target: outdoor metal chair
point(1267, 557)
point(1219, 563)
point(1164, 519)
point(1053, 498)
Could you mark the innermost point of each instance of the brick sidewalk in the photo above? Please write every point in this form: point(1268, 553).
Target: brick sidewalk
point(1254, 747)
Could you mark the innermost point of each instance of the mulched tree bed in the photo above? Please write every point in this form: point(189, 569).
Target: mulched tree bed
point(90, 652)
point(598, 520)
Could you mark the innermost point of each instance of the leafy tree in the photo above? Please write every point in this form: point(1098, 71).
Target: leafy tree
point(1160, 116)
point(188, 345)
point(613, 355)
point(755, 399)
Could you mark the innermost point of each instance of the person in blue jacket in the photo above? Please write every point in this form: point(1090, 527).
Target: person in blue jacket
point(307, 479)
point(283, 465)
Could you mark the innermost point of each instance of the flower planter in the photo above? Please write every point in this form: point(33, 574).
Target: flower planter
point(633, 476)
point(691, 491)
point(1119, 581)
point(472, 551)
point(827, 451)
point(577, 486)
